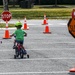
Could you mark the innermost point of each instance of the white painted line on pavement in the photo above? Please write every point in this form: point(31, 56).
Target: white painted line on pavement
point(8, 28)
point(63, 23)
point(36, 59)
point(60, 24)
point(45, 49)
point(7, 73)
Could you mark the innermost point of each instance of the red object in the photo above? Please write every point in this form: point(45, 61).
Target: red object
point(25, 26)
point(72, 70)
point(47, 30)
point(6, 34)
point(73, 13)
point(6, 15)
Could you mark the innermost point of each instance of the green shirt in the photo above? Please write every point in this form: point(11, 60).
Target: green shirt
point(19, 34)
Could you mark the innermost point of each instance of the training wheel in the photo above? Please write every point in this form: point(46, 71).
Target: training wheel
point(14, 56)
point(27, 56)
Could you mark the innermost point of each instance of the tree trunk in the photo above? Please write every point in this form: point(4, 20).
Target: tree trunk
point(13, 3)
point(5, 5)
point(55, 3)
point(39, 2)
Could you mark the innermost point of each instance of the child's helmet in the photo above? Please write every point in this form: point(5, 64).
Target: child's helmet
point(18, 24)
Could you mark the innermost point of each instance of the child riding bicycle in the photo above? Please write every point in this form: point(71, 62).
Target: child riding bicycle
point(19, 34)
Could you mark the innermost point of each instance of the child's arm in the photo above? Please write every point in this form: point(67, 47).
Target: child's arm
point(25, 34)
point(11, 35)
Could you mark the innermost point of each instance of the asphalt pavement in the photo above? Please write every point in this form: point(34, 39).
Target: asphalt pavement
point(50, 54)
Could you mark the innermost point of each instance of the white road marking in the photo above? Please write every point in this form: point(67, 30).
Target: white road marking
point(63, 24)
point(45, 49)
point(7, 73)
point(60, 24)
point(36, 59)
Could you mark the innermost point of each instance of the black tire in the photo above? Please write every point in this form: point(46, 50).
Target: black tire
point(14, 56)
point(27, 56)
point(21, 56)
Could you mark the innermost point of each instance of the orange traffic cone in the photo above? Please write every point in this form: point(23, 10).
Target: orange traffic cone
point(45, 20)
point(47, 30)
point(72, 70)
point(25, 27)
point(6, 35)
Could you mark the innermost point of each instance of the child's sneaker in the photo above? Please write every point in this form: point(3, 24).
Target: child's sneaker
point(27, 56)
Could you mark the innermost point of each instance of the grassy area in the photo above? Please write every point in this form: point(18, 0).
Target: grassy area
point(55, 13)
point(2, 25)
point(37, 12)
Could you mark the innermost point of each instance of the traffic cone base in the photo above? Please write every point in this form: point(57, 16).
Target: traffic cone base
point(47, 30)
point(72, 70)
point(6, 35)
point(25, 27)
point(44, 23)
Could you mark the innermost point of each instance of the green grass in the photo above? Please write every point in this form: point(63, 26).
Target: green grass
point(63, 13)
point(37, 12)
point(3, 25)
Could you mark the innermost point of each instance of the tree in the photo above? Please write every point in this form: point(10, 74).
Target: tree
point(55, 3)
point(14, 3)
point(5, 5)
point(39, 2)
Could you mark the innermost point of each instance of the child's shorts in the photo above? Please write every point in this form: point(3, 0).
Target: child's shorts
point(19, 41)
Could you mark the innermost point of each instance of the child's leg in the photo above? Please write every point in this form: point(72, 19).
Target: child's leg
point(22, 46)
point(21, 42)
point(24, 51)
point(14, 42)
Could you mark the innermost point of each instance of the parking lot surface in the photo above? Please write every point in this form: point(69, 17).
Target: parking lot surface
point(50, 54)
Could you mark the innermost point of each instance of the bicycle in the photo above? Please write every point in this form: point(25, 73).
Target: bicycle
point(19, 51)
